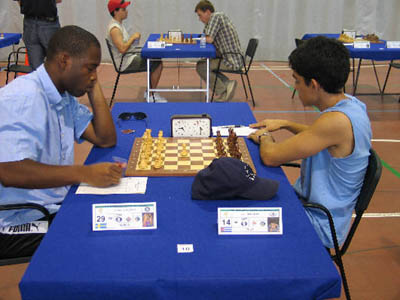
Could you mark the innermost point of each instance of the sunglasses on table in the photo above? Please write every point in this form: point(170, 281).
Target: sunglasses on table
point(126, 116)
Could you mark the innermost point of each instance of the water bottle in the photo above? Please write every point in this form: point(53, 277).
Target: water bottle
point(203, 41)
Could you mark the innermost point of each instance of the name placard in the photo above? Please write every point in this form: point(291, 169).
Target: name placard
point(393, 44)
point(362, 44)
point(155, 44)
point(250, 220)
point(124, 216)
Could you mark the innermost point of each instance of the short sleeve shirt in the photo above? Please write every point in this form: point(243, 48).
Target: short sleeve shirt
point(125, 36)
point(225, 37)
point(37, 123)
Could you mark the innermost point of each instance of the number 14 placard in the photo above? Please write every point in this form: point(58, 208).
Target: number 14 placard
point(250, 220)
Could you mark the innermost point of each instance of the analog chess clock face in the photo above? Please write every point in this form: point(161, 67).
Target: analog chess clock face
point(191, 125)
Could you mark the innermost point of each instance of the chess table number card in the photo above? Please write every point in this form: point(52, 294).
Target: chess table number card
point(250, 220)
point(124, 216)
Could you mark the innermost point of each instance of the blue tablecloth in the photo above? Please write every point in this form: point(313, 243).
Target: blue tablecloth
point(377, 51)
point(73, 262)
point(178, 50)
point(10, 39)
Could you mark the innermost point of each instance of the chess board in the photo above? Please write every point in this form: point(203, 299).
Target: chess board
point(201, 152)
point(171, 41)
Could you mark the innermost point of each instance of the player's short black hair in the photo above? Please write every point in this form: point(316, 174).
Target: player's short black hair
point(72, 39)
point(203, 5)
point(323, 59)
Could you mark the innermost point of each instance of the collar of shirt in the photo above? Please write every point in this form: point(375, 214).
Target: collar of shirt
point(55, 98)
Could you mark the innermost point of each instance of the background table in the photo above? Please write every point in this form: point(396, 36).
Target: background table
point(178, 51)
point(376, 52)
point(73, 262)
point(10, 39)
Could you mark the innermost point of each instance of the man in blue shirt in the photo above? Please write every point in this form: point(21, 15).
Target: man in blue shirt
point(334, 148)
point(39, 120)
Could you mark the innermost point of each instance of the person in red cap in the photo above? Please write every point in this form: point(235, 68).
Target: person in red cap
point(122, 42)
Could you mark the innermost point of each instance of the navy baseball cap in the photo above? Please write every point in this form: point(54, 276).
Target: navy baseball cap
point(230, 178)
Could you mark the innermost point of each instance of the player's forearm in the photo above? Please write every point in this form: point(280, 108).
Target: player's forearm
point(103, 124)
point(33, 175)
point(269, 152)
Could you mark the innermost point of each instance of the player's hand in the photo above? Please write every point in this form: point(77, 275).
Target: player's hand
point(270, 124)
point(136, 35)
point(103, 174)
point(263, 132)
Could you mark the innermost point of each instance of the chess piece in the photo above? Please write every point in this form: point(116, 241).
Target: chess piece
point(158, 163)
point(184, 152)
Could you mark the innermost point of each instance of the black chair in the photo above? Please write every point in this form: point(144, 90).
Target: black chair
point(47, 217)
point(298, 42)
point(118, 69)
point(250, 52)
point(391, 65)
point(370, 182)
point(15, 65)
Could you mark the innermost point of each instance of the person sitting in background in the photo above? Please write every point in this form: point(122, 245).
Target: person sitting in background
point(220, 31)
point(39, 120)
point(122, 43)
point(334, 148)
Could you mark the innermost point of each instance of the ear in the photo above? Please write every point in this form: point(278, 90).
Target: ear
point(63, 61)
point(315, 84)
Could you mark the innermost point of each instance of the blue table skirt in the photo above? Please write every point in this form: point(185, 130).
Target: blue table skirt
point(178, 50)
point(377, 51)
point(73, 262)
point(10, 39)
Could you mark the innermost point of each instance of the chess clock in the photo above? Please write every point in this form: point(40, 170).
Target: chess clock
point(191, 125)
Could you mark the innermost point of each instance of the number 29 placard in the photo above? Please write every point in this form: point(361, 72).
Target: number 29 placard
point(250, 220)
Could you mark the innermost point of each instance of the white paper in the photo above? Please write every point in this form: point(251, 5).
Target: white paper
point(361, 44)
point(240, 131)
point(124, 216)
point(127, 185)
point(250, 220)
point(184, 248)
point(155, 44)
point(393, 44)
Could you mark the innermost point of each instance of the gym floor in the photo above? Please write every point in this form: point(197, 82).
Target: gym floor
point(372, 262)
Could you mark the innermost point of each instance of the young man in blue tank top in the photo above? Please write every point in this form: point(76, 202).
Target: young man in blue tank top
point(334, 148)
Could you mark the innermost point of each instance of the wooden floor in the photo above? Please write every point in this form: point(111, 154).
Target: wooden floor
point(373, 260)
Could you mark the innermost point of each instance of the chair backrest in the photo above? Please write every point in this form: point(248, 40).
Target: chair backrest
point(111, 54)
point(298, 42)
point(251, 51)
point(371, 179)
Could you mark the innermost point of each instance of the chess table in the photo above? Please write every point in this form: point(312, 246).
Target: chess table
point(178, 51)
point(201, 152)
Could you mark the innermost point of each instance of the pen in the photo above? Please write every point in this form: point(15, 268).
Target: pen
point(231, 126)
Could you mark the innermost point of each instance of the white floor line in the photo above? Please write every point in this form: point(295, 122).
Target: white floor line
point(379, 215)
point(385, 141)
point(276, 76)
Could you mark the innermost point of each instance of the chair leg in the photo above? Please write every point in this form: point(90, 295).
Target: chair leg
point(339, 262)
point(294, 93)
point(386, 79)
point(244, 86)
point(215, 84)
point(251, 92)
point(7, 77)
point(115, 89)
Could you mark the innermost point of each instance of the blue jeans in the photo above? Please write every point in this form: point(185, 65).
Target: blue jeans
point(37, 34)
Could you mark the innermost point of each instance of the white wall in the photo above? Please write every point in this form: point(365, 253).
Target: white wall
point(275, 22)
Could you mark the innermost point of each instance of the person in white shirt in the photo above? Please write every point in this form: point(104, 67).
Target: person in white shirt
point(122, 42)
